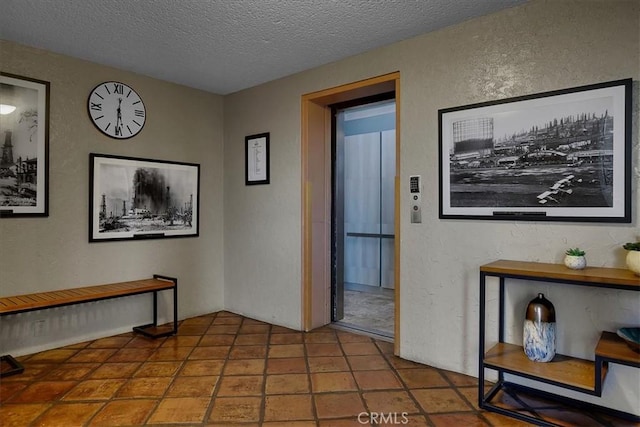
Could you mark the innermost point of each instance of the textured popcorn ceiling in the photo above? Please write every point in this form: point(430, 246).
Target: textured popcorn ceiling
point(223, 46)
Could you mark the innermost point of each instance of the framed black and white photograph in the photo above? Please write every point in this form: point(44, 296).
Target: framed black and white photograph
point(256, 159)
point(555, 156)
point(134, 198)
point(24, 137)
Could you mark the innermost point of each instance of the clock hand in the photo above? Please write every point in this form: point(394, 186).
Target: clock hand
point(118, 129)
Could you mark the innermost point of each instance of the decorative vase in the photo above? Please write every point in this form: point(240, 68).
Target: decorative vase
point(633, 261)
point(631, 336)
point(575, 262)
point(539, 334)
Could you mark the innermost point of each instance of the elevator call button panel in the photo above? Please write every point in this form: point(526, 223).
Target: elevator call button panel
point(415, 190)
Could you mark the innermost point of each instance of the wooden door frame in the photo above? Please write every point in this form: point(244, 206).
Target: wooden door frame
point(316, 196)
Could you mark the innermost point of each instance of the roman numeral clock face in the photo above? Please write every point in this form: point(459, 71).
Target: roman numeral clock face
point(117, 110)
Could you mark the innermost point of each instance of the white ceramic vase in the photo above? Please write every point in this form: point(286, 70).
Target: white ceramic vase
point(575, 262)
point(633, 261)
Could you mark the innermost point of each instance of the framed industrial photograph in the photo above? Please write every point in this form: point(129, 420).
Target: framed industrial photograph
point(24, 136)
point(256, 159)
point(134, 198)
point(555, 156)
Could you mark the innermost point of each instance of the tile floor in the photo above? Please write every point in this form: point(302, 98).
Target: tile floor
point(223, 369)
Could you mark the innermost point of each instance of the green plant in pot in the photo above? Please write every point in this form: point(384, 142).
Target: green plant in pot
point(633, 256)
point(574, 259)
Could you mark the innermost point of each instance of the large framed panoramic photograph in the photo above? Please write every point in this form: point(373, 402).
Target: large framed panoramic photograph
point(555, 156)
point(24, 136)
point(134, 198)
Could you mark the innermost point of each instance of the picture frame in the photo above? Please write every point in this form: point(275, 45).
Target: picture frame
point(256, 159)
point(562, 155)
point(134, 198)
point(24, 138)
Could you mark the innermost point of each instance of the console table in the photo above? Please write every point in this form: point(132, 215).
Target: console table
point(568, 372)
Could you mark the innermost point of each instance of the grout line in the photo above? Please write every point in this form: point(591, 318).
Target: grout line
point(263, 403)
point(216, 387)
point(305, 353)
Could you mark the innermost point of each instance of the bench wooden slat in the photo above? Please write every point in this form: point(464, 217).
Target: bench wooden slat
point(65, 294)
point(37, 297)
point(48, 296)
point(74, 291)
point(120, 286)
point(40, 300)
point(28, 298)
point(13, 301)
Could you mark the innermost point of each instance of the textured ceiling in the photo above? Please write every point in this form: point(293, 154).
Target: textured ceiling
point(223, 46)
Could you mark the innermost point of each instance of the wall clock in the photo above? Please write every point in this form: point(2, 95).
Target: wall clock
point(116, 109)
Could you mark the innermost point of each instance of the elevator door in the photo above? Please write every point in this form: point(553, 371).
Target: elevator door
point(364, 173)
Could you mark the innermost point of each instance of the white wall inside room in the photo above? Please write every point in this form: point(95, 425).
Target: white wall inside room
point(540, 46)
point(262, 222)
point(41, 254)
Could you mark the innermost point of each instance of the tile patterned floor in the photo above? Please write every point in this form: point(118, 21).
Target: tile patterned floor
point(223, 369)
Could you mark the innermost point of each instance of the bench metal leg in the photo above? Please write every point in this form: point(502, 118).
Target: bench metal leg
point(14, 367)
point(152, 330)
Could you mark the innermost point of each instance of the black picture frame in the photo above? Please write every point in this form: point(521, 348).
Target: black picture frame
point(256, 159)
point(562, 155)
point(24, 158)
point(134, 198)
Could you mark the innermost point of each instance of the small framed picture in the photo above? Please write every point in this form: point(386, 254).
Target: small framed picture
point(24, 137)
point(256, 159)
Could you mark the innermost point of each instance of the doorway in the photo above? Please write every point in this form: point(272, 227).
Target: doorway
point(316, 196)
point(363, 214)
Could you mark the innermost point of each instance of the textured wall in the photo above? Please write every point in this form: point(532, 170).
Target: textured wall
point(541, 46)
point(38, 254)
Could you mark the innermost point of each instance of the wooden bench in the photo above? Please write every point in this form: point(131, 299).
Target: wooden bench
point(44, 300)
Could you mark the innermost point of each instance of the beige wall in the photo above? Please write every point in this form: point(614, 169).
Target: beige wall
point(540, 46)
point(38, 254)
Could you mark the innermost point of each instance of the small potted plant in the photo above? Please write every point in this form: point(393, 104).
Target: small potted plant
point(633, 256)
point(574, 259)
